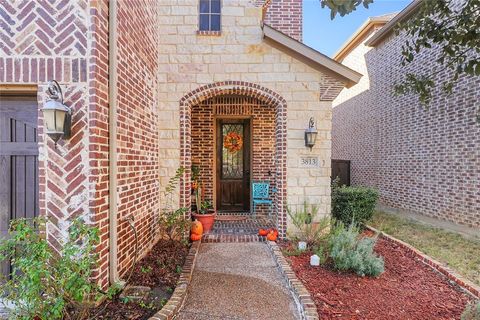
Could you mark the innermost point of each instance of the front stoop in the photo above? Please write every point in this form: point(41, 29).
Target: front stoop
point(170, 310)
point(238, 231)
point(466, 285)
point(304, 301)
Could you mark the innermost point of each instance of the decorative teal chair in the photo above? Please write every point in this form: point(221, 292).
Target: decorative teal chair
point(261, 195)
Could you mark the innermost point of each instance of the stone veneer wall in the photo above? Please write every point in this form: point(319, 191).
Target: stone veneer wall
point(66, 41)
point(239, 54)
point(422, 160)
point(262, 143)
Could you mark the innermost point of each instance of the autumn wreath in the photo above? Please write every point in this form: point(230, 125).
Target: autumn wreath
point(232, 142)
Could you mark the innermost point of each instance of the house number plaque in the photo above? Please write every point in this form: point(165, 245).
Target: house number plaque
point(309, 162)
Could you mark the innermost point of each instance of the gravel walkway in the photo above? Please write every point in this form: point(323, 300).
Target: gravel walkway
point(237, 281)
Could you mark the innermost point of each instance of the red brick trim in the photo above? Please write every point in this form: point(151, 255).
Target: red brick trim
point(246, 89)
point(170, 310)
point(465, 284)
point(209, 33)
point(302, 297)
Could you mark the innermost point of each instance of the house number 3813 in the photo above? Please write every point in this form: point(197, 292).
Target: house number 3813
point(310, 162)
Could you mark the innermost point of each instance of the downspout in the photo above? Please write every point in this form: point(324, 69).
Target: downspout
point(112, 146)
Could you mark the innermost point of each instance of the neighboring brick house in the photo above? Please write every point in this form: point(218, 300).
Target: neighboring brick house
point(148, 85)
point(422, 160)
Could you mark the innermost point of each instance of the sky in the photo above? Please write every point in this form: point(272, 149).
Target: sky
point(327, 36)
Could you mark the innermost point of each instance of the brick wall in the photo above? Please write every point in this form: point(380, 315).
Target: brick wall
point(262, 141)
point(286, 16)
point(66, 41)
point(137, 128)
point(422, 160)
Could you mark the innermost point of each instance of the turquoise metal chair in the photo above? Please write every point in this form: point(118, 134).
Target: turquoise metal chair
point(261, 195)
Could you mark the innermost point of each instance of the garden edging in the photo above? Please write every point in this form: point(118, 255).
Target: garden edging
point(465, 284)
point(172, 307)
point(307, 308)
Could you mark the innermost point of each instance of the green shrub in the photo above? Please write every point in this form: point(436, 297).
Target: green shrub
point(353, 204)
point(348, 252)
point(472, 311)
point(309, 227)
point(45, 283)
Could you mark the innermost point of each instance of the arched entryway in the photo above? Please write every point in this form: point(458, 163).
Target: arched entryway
point(259, 115)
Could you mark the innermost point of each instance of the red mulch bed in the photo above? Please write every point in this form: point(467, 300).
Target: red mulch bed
point(407, 289)
point(159, 268)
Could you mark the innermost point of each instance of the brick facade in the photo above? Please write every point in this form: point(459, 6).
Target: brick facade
point(137, 128)
point(164, 69)
point(286, 16)
point(262, 140)
point(50, 40)
point(421, 160)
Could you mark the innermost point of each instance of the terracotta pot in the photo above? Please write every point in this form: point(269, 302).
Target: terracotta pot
point(207, 220)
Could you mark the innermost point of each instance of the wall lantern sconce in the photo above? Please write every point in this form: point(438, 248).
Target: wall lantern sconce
point(311, 134)
point(57, 116)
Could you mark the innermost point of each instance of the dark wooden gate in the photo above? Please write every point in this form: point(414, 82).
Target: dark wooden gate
point(233, 168)
point(18, 162)
point(341, 169)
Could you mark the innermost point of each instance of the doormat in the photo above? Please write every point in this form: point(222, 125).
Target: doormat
point(230, 218)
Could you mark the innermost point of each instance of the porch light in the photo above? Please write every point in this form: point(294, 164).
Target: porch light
point(311, 134)
point(57, 116)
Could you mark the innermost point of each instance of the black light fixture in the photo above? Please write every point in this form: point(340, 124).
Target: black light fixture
point(311, 134)
point(57, 116)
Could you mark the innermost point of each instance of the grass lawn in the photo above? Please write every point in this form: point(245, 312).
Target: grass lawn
point(454, 250)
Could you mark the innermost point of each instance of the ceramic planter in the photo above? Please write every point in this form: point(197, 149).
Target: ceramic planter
point(207, 220)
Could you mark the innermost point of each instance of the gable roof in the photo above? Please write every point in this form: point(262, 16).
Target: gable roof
point(312, 57)
point(364, 30)
point(388, 28)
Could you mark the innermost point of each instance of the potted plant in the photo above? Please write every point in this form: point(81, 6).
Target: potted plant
point(206, 215)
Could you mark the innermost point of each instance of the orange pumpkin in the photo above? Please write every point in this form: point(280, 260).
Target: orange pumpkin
point(197, 228)
point(272, 236)
point(275, 231)
point(195, 237)
point(263, 232)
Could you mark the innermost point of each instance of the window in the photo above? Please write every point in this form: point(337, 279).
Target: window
point(210, 12)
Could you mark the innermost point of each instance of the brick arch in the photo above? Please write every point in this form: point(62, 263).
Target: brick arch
point(241, 88)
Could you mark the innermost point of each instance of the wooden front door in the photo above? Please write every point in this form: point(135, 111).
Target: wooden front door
point(18, 162)
point(233, 165)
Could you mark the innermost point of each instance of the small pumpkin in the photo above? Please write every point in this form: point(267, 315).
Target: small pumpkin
point(275, 231)
point(195, 237)
point(197, 228)
point(263, 232)
point(272, 236)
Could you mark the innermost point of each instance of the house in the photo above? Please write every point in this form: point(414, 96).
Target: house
point(422, 160)
point(153, 87)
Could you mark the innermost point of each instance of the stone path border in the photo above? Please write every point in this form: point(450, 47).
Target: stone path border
point(305, 304)
point(170, 310)
point(465, 284)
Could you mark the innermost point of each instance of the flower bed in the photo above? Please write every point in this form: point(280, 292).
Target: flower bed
point(160, 270)
point(408, 289)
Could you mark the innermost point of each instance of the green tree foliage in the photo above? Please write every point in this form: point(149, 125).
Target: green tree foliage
point(343, 7)
point(453, 27)
point(44, 283)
